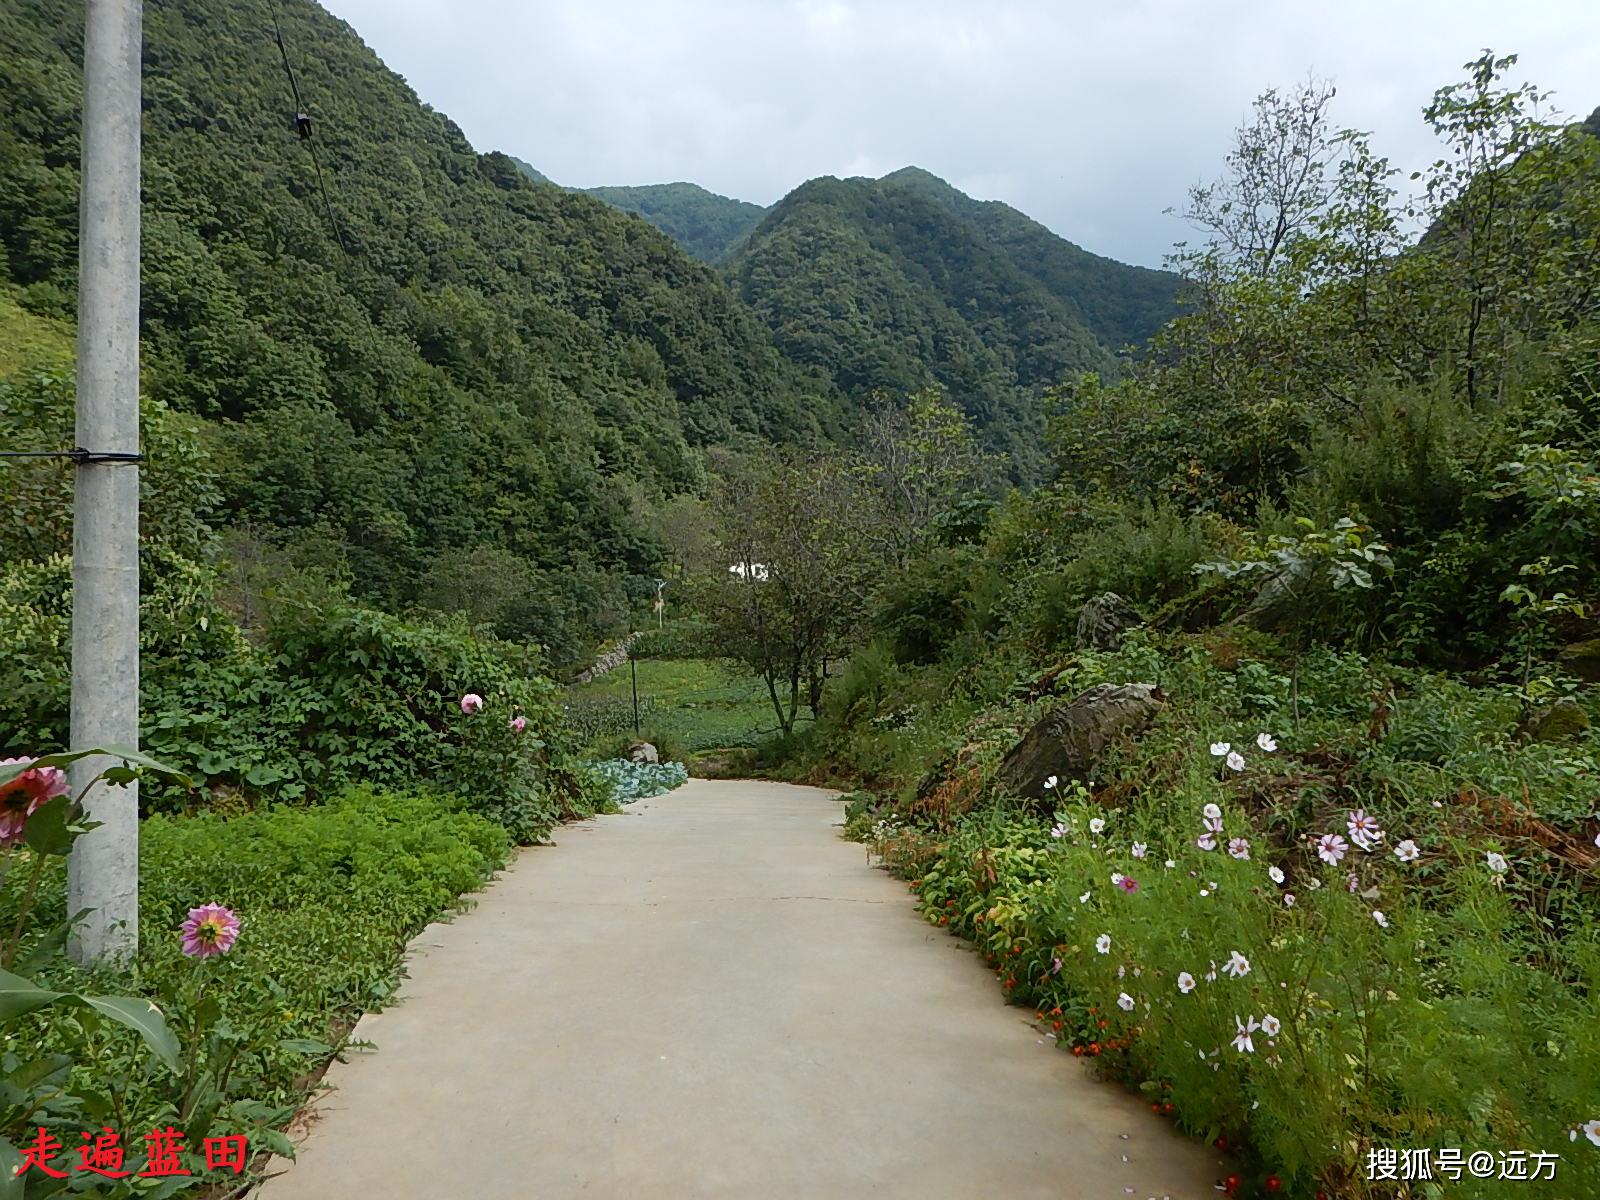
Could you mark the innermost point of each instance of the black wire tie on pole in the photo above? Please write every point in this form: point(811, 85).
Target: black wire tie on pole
point(79, 455)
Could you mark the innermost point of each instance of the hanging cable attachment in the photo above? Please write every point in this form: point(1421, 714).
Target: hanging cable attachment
point(78, 455)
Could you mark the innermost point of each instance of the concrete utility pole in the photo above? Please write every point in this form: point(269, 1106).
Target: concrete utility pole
point(103, 872)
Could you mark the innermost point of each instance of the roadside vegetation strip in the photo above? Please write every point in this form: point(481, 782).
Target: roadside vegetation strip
point(1273, 931)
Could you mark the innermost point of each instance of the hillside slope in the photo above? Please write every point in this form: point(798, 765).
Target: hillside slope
point(438, 355)
point(904, 282)
point(705, 224)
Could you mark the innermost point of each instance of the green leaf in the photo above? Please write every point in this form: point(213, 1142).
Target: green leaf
point(11, 1183)
point(48, 830)
point(19, 996)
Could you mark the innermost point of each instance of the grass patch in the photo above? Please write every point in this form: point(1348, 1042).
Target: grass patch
point(691, 704)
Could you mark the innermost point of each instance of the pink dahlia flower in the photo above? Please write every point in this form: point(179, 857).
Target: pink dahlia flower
point(471, 703)
point(23, 794)
point(210, 929)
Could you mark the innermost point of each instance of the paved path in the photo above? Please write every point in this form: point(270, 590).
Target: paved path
point(714, 996)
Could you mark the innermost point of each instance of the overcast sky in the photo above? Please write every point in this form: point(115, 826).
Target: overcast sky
point(1090, 116)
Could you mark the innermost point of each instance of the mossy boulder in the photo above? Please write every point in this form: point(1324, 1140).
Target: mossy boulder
point(1583, 659)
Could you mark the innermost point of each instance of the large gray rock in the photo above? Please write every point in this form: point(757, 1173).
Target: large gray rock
point(643, 752)
point(1070, 740)
point(1103, 621)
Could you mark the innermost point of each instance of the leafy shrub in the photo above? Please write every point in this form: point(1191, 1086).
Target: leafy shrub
point(677, 639)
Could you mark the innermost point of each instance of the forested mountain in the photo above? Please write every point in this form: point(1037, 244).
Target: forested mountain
point(903, 282)
point(435, 367)
point(705, 224)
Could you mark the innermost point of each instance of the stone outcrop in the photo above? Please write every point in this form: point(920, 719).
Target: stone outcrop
point(1069, 741)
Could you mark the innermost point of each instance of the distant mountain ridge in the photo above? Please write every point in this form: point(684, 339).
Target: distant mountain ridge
point(905, 282)
point(896, 284)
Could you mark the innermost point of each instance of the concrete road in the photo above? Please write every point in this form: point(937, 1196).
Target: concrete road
point(714, 996)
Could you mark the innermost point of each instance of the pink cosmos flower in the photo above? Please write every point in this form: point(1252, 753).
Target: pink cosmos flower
point(1058, 830)
point(517, 724)
point(1239, 848)
point(211, 929)
point(24, 794)
point(471, 703)
point(1331, 848)
point(1206, 841)
point(1213, 824)
point(1364, 830)
point(1128, 884)
point(1139, 850)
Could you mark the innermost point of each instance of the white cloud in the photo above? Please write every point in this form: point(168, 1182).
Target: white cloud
point(1092, 118)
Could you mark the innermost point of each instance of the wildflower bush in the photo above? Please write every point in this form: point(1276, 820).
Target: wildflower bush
point(1309, 945)
point(262, 937)
point(625, 781)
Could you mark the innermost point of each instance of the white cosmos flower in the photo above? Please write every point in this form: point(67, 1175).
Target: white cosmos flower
point(1058, 830)
point(1591, 1129)
point(1185, 982)
point(1170, 863)
point(1206, 841)
point(1270, 1025)
point(1241, 1041)
point(1597, 839)
point(1364, 830)
point(1383, 921)
point(1211, 975)
point(1497, 862)
point(1204, 893)
point(1050, 783)
point(1237, 965)
point(1096, 825)
point(1084, 899)
point(1239, 848)
point(1139, 850)
point(1125, 1002)
point(1218, 749)
point(1103, 943)
point(1266, 742)
point(1407, 851)
point(1116, 877)
point(1235, 760)
point(1275, 875)
point(1211, 812)
point(1213, 824)
point(1288, 899)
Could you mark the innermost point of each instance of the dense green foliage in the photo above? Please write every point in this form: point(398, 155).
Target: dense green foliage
point(900, 283)
point(455, 375)
point(327, 897)
point(705, 224)
point(1406, 1002)
point(1365, 459)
